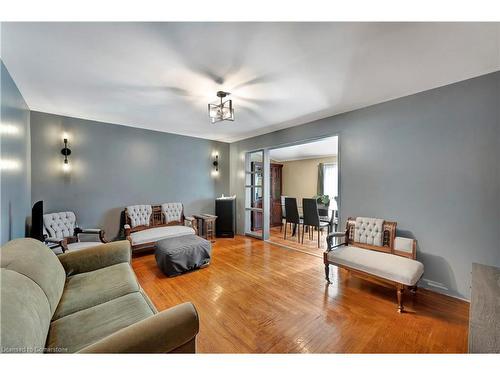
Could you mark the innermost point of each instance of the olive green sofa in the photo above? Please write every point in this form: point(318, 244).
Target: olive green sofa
point(87, 301)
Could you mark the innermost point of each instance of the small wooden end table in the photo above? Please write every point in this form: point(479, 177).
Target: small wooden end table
point(206, 226)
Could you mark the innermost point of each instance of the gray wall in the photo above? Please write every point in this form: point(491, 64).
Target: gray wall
point(114, 166)
point(430, 161)
point(14, 150)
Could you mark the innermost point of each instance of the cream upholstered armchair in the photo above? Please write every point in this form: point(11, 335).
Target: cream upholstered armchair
point(61, 230)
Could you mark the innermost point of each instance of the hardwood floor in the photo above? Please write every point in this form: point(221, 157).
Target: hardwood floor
point(257, 297)
point(309, 246)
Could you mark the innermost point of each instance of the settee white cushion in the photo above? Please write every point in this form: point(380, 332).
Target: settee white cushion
point(172, 211)
point(368, 230)
point(159, 233)
point(388, 266)
point(139, 214)
point(59, 224)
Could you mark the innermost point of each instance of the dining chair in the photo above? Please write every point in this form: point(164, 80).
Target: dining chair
point(283, 212)
point(311, 218)
point(292, 215)
point(329, 216)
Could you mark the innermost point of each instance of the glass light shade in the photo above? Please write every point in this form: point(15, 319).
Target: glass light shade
point(221, 111)
point(66, 167)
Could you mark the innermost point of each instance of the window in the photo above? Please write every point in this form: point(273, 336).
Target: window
point(330, 183)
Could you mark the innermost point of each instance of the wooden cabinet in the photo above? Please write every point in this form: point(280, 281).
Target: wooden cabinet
point(276, 188)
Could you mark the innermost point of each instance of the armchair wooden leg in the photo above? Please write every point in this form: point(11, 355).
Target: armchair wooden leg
point(319, 238)
point(303, 230)
point(285, 230)
point(400, 298)
point(327, 273)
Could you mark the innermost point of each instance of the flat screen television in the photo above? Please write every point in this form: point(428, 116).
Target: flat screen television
point(37, 221)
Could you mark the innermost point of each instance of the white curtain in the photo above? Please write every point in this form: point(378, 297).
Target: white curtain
point(330, 183)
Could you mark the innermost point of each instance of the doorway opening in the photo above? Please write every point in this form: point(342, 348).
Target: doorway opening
point(304, 179)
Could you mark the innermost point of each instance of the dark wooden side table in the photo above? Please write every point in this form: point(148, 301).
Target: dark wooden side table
point(206, 226)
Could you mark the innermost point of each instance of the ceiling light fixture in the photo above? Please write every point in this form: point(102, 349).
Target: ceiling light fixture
point(221, 111)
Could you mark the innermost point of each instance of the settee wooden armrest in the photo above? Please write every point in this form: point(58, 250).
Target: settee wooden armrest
point(57, 242)
point(94, 231)
point(331, 237)
point(126, 228)
point(191, 221)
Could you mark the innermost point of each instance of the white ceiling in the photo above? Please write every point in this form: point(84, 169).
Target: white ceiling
point(315, 149)
point(162, 75)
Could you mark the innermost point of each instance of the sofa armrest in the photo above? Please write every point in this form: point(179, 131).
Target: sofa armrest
point(126, 229)
point(95, 257)
point(162, 333)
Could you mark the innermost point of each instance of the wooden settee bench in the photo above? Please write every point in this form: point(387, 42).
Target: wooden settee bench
point(372, 251)
point(147, 224)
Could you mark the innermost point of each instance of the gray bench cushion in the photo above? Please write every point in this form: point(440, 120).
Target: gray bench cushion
point(180, 254)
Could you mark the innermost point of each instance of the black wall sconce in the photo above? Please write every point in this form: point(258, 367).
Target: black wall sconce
point(66, 152)
point(216, 163)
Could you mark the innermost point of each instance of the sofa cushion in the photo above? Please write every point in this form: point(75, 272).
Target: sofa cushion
point(159, 233)
point(388, 266)
point(36, 261)
point(76, 331)
point(25, 314)
point(89, 289)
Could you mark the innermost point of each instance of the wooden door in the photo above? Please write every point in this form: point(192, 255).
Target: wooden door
point(276, 192)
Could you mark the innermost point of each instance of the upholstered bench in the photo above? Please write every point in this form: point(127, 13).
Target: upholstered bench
point(177, 255)
point(372, 249)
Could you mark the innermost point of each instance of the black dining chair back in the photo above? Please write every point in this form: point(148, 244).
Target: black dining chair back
point(322, 211)
point(291, 211)
point(292, 216)
point(311, 219)
point(310, 211)
point(283, 208)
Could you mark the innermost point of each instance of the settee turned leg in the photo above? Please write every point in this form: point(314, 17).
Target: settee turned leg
point(400, 299)
point(327, 273)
